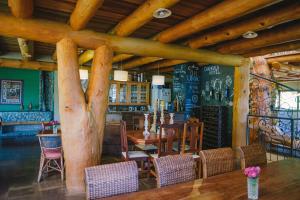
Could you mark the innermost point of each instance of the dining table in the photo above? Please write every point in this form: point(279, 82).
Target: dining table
point(137, 137)
point(278, 180)
point(49, 132)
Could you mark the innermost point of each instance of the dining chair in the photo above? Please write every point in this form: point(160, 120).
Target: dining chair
point(217, 161)
point(111, 179)
point(166, 139)
point(192, 141)
point(137, 122)
point(252, 155)
point(176, 145)
point(174, 169)
point(165, 146)
point(51, 155)
point(139, 156)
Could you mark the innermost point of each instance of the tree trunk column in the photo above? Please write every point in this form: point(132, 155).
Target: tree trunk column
point(240, 104)
point(82, 118)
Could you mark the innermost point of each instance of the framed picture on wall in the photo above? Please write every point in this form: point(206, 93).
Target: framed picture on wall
point(11, 91)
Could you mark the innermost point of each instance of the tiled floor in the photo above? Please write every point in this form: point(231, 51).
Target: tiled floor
point(19, 162)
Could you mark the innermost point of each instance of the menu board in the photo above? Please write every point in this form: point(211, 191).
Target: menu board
point(216, 85)
point(186, 86)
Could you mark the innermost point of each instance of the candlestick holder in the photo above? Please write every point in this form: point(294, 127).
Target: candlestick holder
point(153, 126)
point(146, 133)
point(171, 118)
point(162, 118)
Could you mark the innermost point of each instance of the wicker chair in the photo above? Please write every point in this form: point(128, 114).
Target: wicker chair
point(174, 169)
point(252, 155)
point(217, 161)
point(51, 155)
point(111, 179)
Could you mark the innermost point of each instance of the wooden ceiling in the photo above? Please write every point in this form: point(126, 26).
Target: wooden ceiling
point(113, 11)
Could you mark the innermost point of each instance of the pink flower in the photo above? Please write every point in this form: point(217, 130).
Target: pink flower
point(252, 172)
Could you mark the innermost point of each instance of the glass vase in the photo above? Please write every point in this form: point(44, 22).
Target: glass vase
point(252, 186)
point(54, 129)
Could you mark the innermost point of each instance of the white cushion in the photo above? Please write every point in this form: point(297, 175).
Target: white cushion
point(146, 147)
point(175, 147)
point(195, 156)
point(154, 155)
point(135, 154)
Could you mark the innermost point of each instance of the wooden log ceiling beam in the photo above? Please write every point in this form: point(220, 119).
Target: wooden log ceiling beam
point(138, 18)
point(287, 68)
point(276, 48)
point(294, 45)
point(277, 35)
point(52, 32)
point(23, 9)
point(287, 58)
point(81, 15)
point(289, 46)
point(204, 20)
point(288, 13)
point(83, 12)
point(22, 64)
point(211, 17)
point(33, 65)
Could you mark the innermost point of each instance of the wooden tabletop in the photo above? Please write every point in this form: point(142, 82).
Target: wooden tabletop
point(49, 133)
point(137, 137)
point(279, 180)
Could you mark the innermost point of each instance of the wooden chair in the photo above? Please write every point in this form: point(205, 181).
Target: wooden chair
point(172, 133)
point(252, 155)
point(139, 156)
point(137, 122)
point(174, 169)
point(51, 155)
point(193, 135)
point(217, 161)
point(111, 179)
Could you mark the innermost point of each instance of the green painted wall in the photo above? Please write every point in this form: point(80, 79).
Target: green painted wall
point(217, 89)
point(31, 87)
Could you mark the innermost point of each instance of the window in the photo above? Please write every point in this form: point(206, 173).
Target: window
point(287, 100)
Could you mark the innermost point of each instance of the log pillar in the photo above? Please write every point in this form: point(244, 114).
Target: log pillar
point(82, 116)
point(240, 104)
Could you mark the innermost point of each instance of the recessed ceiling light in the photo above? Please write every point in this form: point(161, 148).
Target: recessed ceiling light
point(162, 13)
point(249, 35)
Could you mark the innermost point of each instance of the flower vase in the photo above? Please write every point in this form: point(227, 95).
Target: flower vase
point(252, 186)
point(54, 129)
point(146, 133)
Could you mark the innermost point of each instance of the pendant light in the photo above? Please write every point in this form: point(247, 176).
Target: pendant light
point(84, 74)
point(158, 79)
point(120, 75)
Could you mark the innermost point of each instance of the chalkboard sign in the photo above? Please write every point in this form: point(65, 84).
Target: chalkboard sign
point(186, 86)
point(216, 85)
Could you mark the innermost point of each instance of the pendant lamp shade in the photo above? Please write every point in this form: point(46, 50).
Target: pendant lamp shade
point(84, 74)
point(158, 80)
point(120, 75)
